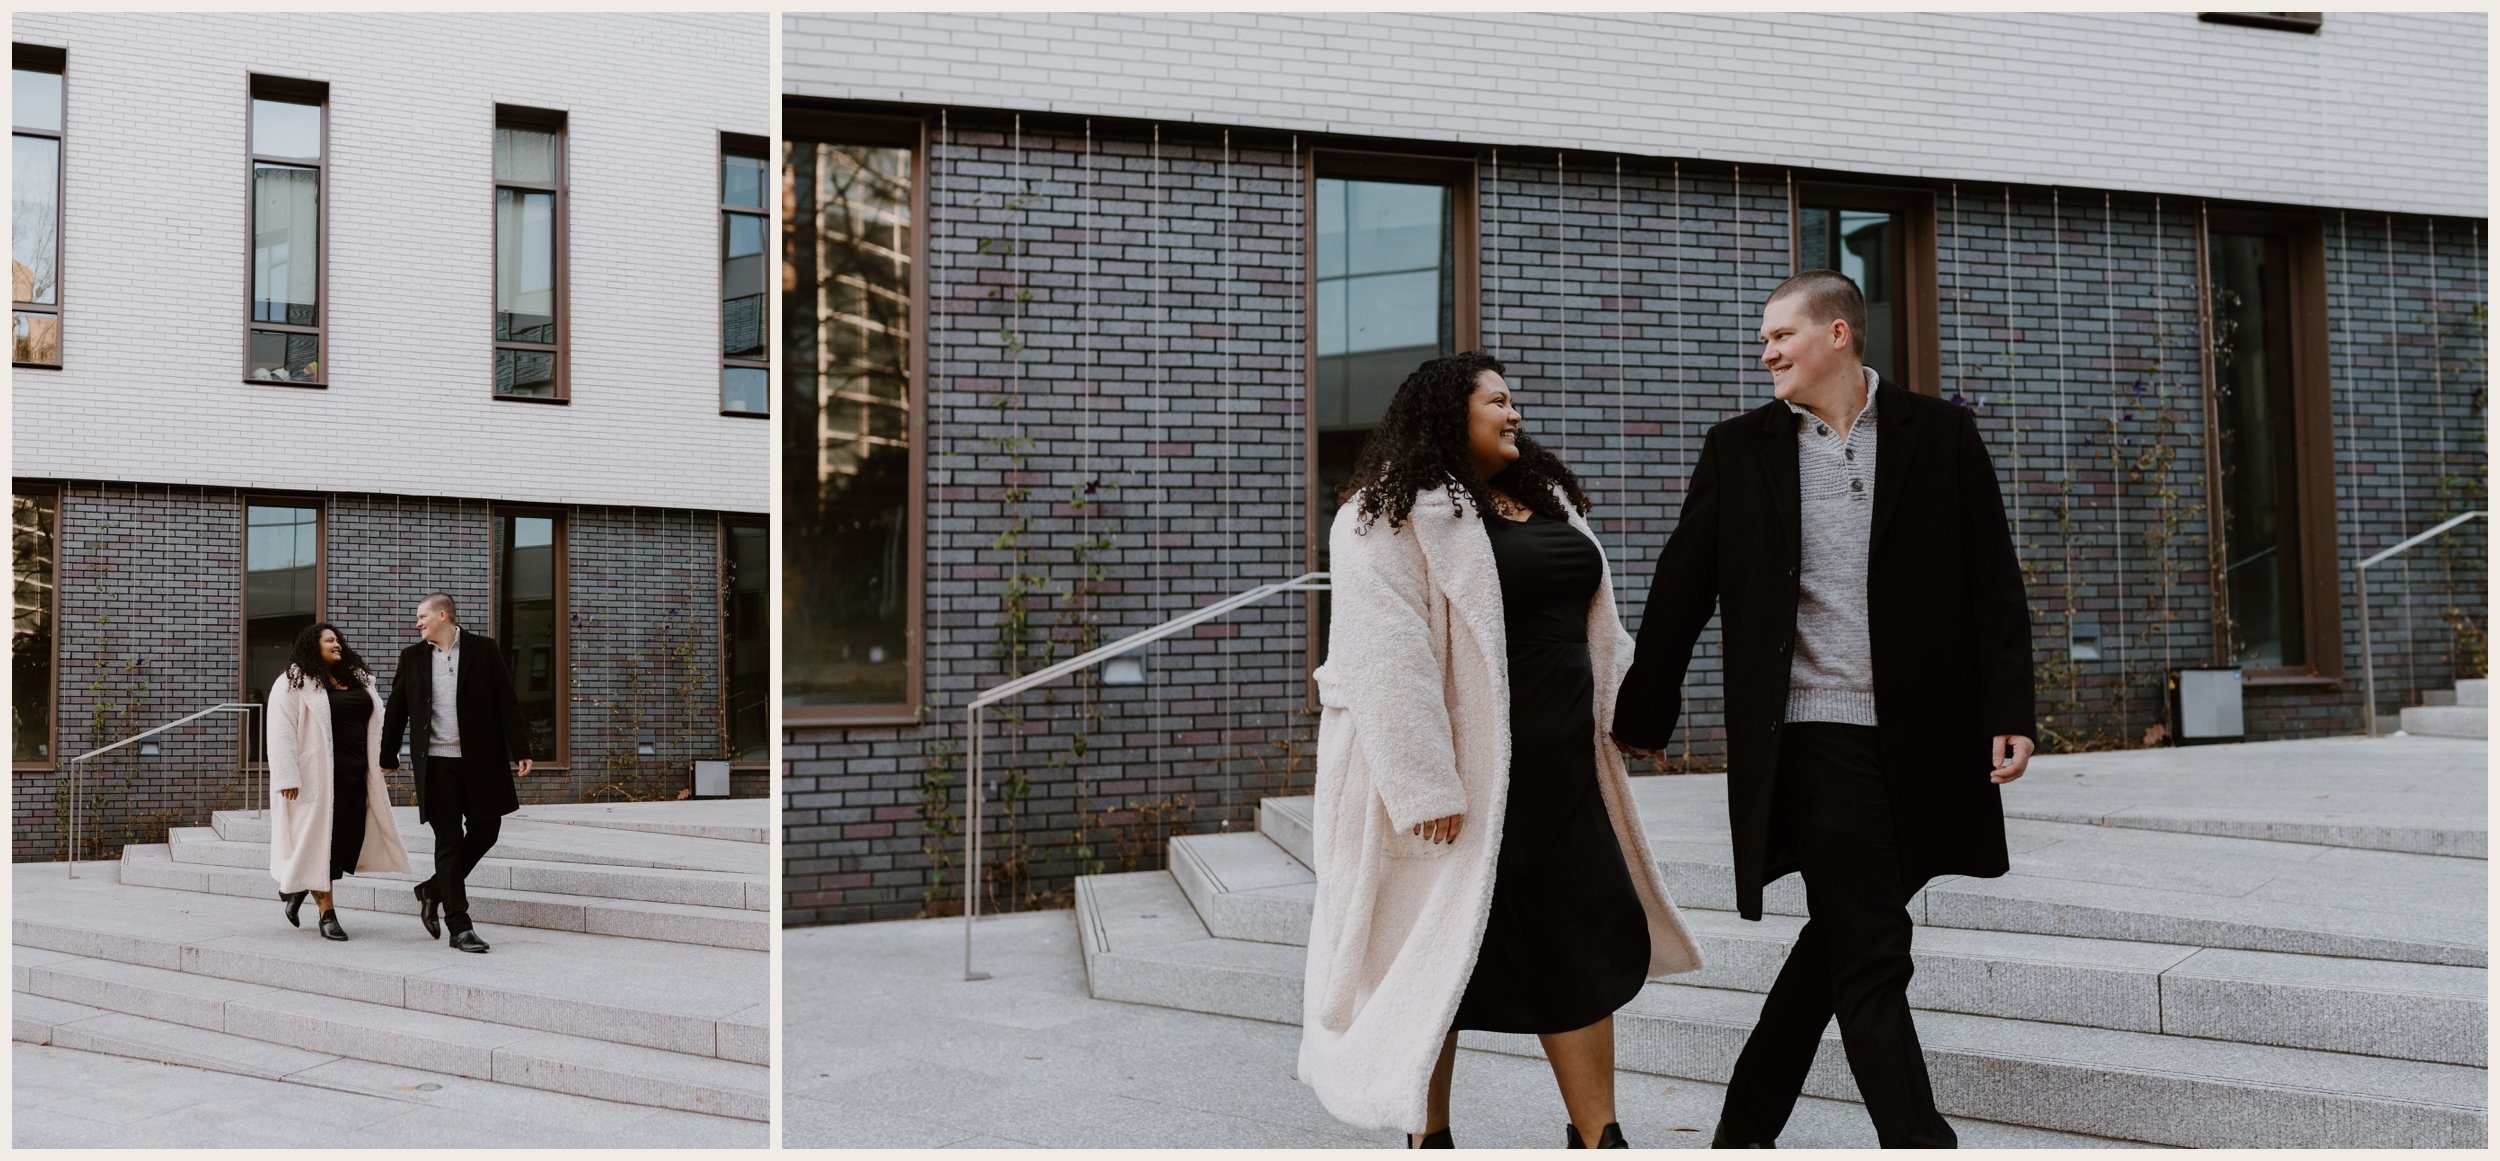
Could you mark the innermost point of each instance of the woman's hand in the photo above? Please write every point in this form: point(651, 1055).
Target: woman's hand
point(1439, 830)
point(288, 794)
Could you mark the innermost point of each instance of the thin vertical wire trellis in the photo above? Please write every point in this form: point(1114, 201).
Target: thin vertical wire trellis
point(1623, 436)
point(2439, 391)
point(1493, 282)
point(2005, 391)
point(2350, 433)
point(1159, 423)
point(1961, 305)
point(1227, 543)
point(2161, 279)
point(2404, 469)
point(1683, 401)
point(1562, 315)
point(1088, 690)
point(2065, 440)
point(2117, 466)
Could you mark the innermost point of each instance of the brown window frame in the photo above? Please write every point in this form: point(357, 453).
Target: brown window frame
point(561, 570)
point(815, 123)
point(52, 718)
point(748, 145)
point(2308, 22)
point(1462, 173)
point(243, 588)
point(728, 742)
point(2313, 441)
point(558, 122)
point(1914, 207)
point(39, 58)
point(295, 89)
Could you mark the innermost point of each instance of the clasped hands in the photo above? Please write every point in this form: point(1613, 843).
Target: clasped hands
point(2009, 755)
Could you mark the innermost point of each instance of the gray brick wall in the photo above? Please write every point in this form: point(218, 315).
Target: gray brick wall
point(149, 615)
point(1162, 353)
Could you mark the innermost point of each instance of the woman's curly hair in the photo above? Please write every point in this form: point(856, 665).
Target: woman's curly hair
point(307, 660)
point(1421, 444)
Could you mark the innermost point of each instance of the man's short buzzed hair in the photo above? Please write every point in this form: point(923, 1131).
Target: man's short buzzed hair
point(440, 602)
point(1829, 294)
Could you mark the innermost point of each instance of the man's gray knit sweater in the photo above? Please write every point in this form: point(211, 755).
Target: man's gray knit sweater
point(1831, 677)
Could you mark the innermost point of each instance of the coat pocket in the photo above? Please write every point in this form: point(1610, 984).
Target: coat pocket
point(1399, 844)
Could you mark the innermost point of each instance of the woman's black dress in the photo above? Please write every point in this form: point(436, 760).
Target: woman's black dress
point(350, 709)
point(1567, 942)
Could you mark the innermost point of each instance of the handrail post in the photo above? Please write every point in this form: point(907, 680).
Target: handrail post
point(2369, 660)
point(972, 836)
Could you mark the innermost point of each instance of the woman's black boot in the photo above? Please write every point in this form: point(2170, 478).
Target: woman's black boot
point(1610, 1137)
point(294, 901)
point(330, 928)
point(1436, 1139)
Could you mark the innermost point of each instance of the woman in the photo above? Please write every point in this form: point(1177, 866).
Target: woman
point(1480, 861)
point(330, 811)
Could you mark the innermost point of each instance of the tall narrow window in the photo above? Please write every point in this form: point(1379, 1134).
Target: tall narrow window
point(529, 623)
point(30, 642)
point(746, 579)
point(1885, 240)
point(1393, 265)
point(2265, 282)
point(281, 591)
point(289, 141)
point(529, 255)
point(745, 373)
point(851, 503)
point(36, 98)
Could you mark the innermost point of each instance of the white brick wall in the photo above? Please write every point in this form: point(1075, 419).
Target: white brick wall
point(2380, 111)
point(154, 261)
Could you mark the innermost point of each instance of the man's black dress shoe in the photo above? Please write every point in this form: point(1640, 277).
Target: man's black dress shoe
point(330, 928)
point(294, 901)
point(1718, 1140)
point(1436, 1139)
point(429, 908)
point(1610, 1137)
point(467, 941)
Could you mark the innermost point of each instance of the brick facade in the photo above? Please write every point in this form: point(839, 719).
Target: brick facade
point(1161, 352)
point(149, 622)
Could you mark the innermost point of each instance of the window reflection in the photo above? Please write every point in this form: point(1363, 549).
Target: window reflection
point(846, 450)
point(30, 640)
point(281, 591)
point(527, 559)
point(2261, 532)
point(749, 564)
point(1866, 246)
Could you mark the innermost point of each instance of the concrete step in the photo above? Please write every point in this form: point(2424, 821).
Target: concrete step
point(681, 998)
point(2130, 1085)
point(2474, 691)
point(2447, 721)
point(2439, 697)
point(153, 865)
point(1287, 823)
point(1244, 886)
point(734, 820)
point(1142, 945)
point(648, 884)
point(555, 842)
point(322, 1025)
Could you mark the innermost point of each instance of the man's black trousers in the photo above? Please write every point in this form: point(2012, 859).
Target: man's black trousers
point(1831, 813)
point(460, 837)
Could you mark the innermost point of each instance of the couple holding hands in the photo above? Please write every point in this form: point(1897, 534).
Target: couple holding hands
point(331, 737)
point(1480, 860)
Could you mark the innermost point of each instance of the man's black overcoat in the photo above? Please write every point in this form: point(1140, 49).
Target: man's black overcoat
point(1948, 626)
point(492, 734)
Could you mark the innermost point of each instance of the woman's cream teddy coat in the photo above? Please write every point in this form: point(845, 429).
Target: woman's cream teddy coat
point(1414, 726)
point(300, 747)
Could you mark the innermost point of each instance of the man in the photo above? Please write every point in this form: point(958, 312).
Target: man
point(467, 736)
point(1878, 688)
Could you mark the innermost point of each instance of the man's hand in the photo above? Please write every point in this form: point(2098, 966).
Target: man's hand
point(2012, 754)
point(523, 770)
point(288, 794)
point(1439, 830)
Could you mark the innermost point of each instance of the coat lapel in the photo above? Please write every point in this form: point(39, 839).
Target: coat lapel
point(1460, 554)
point(1894, 449)
point(1779, 462)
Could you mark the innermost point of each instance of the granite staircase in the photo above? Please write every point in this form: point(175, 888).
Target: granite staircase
point(2461, 712)
point(629, 960)
point(2132, 980)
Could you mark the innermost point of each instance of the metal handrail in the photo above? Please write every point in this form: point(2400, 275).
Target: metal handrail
point(1309, 582)
point(77, 780)
point(2361, 583)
